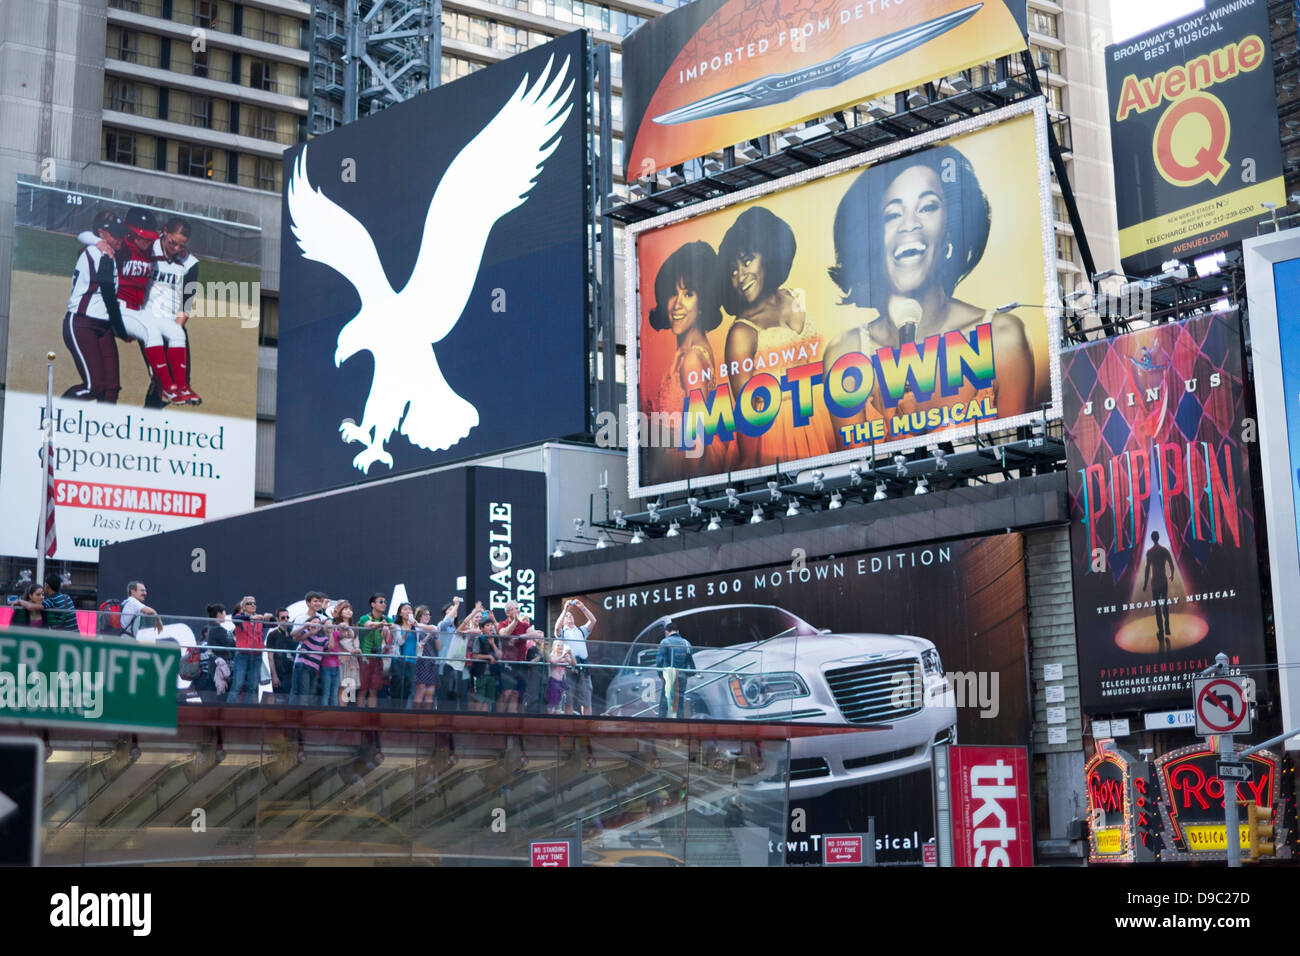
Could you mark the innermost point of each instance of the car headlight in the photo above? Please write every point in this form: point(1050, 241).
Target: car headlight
point(930, 662)
point(759, 690)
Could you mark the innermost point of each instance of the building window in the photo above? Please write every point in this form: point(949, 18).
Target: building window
point(266, 174)
point(262, 124)
point(201, 111)
point(205, 13)
point(128, 47)
point(1044, 23)
point(1065, 248)
point(1053, 97)
point(119, 147)
point(201, 63)
point(194, 161)
point(125, 97)
point(1051, 59)
point(261, 75)
point(271, 27)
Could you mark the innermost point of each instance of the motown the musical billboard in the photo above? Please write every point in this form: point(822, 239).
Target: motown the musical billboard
point(870, 306)
point(1193, 131)
point(1162, 533)
point(717, 72)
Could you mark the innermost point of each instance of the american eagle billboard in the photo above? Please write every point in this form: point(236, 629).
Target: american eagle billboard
point(1162, 532)
point(875, 305)
point(717, 72)
point(1193, 132)
point(151, 313)
point(433, 263)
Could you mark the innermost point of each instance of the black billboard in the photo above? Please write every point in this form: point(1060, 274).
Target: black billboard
point(433, 277)
point(1193, 133)
point(830, 641)
point(1162, 519)
point(426, 532)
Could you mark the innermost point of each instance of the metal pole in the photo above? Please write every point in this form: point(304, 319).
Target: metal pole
point(47, 428)
point(1269, 743)
point(1226, 753)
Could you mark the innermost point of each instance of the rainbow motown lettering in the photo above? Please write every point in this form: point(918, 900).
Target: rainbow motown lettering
point(940, 365)
point(1118, 490)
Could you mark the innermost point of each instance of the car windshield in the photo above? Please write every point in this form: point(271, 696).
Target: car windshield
point(729, 625)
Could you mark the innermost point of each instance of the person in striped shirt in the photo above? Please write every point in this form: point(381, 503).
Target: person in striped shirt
point(60, 611)
point(311, 631)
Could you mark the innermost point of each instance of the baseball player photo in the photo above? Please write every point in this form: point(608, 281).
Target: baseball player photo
point(94, 318)
point(153, 267)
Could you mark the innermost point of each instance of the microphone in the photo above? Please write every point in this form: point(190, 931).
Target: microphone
point(906, 315)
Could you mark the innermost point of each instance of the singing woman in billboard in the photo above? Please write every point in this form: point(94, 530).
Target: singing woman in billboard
point(688, 296)
point(755, 256)
point(906, 234)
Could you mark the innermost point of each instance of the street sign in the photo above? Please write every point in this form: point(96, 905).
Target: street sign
point(848, 849)
point(106, 683)
point(1220, 705)
point(22, 768)
point(1232, 771)
point(554, 853)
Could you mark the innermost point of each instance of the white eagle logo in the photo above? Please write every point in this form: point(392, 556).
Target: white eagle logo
point(491, 175)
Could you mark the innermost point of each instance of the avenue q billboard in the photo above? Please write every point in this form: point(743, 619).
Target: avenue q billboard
point(1162, 520)
point(809, 320)
point(433, 259)
point(1193, 130)
point(717, 72)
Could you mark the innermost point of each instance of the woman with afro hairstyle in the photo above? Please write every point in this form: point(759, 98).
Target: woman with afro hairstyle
point(755, 255)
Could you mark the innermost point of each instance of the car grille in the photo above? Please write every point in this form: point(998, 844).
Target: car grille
point(806, 768)
point(872, 693)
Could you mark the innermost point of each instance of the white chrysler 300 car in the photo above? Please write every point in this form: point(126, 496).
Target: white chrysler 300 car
point(760, 662)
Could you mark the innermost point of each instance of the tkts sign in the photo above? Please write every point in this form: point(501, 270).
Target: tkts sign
point(990, 808)
point(1194, 133)
point(1192, 796)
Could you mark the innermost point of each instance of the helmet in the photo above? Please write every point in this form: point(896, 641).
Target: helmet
point(141, 223)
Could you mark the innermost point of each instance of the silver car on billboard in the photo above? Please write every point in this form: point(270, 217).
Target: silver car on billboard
point(761, 662)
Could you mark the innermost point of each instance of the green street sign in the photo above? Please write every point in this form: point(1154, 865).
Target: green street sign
point(47, 679)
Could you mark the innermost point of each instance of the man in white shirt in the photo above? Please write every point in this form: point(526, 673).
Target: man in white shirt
point(575, 636)
point(133, 608)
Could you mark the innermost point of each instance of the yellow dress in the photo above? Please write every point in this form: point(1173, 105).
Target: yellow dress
point(784, 440)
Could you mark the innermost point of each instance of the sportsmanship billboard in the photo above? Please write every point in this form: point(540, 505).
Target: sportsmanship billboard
point(856, 307)
point(1162, 533)
point(717, 72)
point(433, 259)
point(822, 642)
point(1273, 277)
point(1193, 132)
point(152, 314)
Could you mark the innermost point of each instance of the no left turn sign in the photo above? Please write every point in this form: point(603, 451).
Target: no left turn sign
point(1221, 707)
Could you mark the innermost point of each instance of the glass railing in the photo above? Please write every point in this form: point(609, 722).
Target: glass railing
point(342, 666)
point(336, 666)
